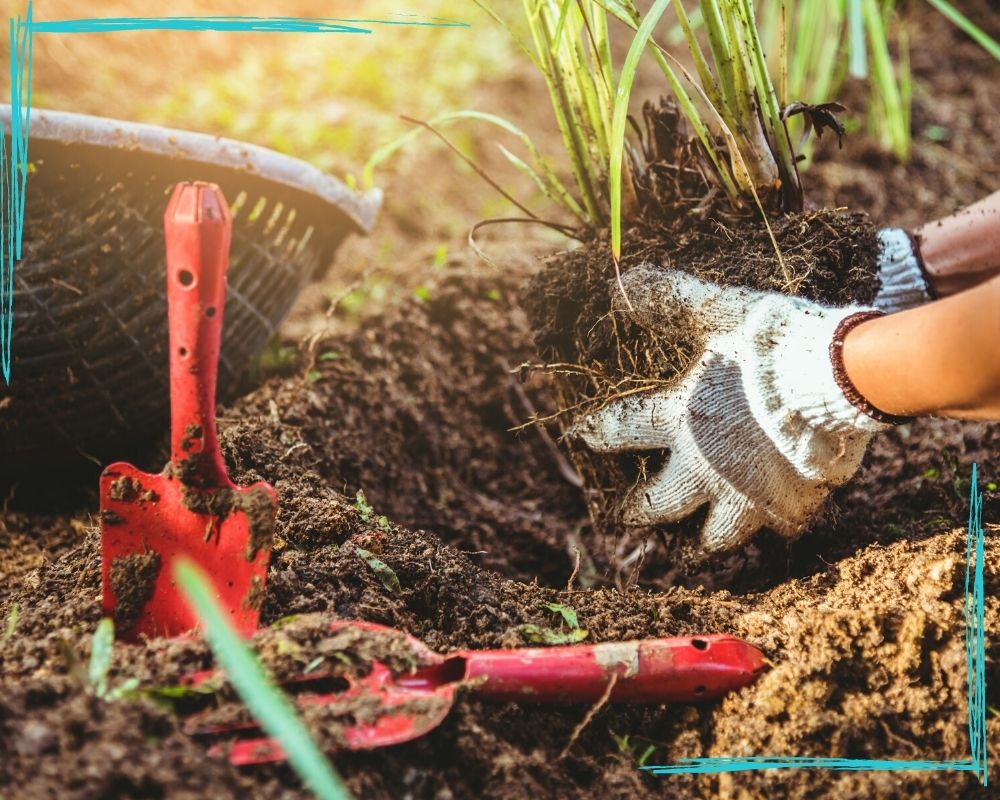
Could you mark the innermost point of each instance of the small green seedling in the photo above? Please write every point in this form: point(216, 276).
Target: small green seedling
point(629, 749)
point(422, 293)
point(12, 617)
point(101, 652)
point(389, 579)
point(364, 510)
point(568, 614)
point(536, 634)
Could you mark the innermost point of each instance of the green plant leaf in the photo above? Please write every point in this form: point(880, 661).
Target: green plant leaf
point(859, 54)
point(539, 635)
point(101, 650)
point(568, 614)
point(127, 689)
point(620, 117)
point(180, 691)
point(389, 578)
point(12, 617)
point(276, 715)
point(364, 510)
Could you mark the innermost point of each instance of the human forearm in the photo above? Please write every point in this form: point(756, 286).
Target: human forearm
point(940, 359)
point(962, 250)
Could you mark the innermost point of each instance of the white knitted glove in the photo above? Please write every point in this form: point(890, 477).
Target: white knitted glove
point(758, 427)
point(903, 282)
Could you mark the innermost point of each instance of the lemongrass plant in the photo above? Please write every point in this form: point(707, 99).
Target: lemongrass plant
point(730, 104)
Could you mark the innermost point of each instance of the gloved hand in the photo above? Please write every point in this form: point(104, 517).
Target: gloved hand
point(904, 280)
point(760, 427)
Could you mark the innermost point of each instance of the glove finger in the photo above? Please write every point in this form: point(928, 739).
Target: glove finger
point(668, 497)
point(658, 296)
point(643, 422)
point(731, 521)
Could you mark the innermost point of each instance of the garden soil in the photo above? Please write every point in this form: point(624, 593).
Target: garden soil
point(482, 527)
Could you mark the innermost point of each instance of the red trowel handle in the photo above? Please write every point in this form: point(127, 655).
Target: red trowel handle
point(197, 227)
point(682, 669)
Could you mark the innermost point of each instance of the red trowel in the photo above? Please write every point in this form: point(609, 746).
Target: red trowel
point(191, 508)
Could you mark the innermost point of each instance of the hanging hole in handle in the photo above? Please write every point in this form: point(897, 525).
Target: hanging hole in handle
point(699, 644)
point(699, 690)
point(210, 312)
point(186, 277)
point(183, 351)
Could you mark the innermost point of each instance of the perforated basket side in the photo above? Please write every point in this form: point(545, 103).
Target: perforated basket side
point(89, 329)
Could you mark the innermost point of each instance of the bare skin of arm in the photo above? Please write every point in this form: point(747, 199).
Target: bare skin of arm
point(962, 250)
point(941, 359)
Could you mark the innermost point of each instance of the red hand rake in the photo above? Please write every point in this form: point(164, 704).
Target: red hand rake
point(408, 704)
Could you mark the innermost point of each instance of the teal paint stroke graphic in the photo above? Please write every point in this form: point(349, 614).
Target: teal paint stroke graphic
point(14, 164)
point(975, 650)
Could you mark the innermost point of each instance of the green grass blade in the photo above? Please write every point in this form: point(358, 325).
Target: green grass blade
point(783, 55)
point(858, 52)
point(101, 650)
point(769, 150)
point(708, 81)
point(382, 153)
point(723, 56)
point(492, 14)
point(566, 115)
point(268, 705)
point(894, 116)
point(563, 12)
point(620, 118)
point(988, 43)
point(541, 165)
point(629, 16)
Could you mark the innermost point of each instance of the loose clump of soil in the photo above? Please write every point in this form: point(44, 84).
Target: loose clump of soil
point(133, 579)
point(596, 352)
point(831, 256)
point(61, 741)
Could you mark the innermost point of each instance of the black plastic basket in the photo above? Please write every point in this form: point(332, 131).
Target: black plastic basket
point(89, 343)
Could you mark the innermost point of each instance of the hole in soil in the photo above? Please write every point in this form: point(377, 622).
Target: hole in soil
point(210, 312)
point(699, 644)
point(186, 277)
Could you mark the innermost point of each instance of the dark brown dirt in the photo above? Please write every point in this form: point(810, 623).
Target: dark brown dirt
point(862, 617)
point(62, 742)
point(132, 581)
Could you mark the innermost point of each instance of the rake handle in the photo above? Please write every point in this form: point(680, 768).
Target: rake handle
point(682, 669)
point(197, 231)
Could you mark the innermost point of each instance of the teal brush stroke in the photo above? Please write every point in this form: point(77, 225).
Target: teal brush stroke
point(975, 649)
point(260, 24)
point(14, 165)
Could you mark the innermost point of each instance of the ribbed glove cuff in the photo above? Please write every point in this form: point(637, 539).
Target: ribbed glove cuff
point(904, 282)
